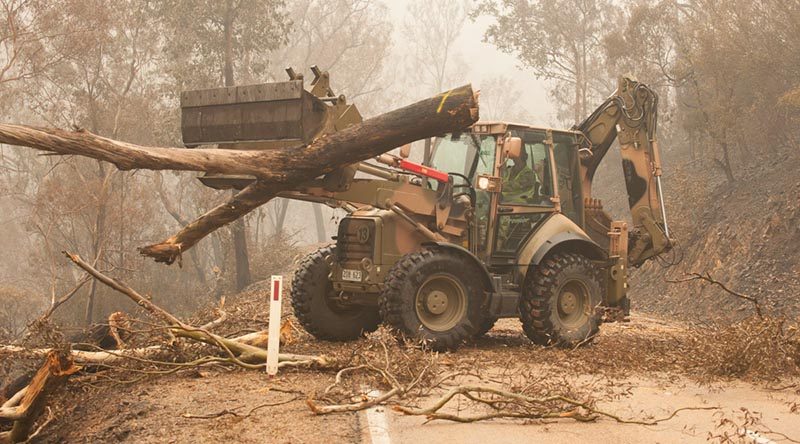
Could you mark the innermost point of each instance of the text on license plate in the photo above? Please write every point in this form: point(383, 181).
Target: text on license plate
point(351, 275)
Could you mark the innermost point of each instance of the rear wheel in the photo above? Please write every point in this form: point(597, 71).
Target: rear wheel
point(435, 297)
point(558, 305)
point(317, 307)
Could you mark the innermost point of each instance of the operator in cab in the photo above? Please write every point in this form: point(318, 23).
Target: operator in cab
point(520, 182)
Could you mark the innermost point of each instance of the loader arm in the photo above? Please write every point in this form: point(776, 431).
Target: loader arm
point(630, 116)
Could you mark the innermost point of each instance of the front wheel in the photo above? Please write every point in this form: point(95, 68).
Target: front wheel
point(433, 296)
point(559, 301)
point(318, 308)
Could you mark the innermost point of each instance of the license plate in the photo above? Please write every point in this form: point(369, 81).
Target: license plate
point(351, 275)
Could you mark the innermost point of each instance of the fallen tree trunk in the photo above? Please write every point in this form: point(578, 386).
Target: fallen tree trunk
point(276, 170)
point(259, 356)
point(88, 357)
point(51, 376)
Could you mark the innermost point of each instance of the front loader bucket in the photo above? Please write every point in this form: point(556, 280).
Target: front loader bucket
point(262, 116)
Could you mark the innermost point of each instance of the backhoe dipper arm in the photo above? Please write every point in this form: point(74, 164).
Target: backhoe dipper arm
point(631, 116)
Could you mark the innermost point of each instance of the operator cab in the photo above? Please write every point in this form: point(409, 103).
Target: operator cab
point(518, 187)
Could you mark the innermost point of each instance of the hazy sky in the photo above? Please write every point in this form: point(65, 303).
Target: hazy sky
point(485, 61)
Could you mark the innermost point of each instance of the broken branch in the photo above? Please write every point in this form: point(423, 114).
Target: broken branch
point(707, 278)
point(242, 354)
point(550, 407)
point(53, 373)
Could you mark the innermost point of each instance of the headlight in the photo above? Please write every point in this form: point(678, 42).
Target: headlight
point(489, 183)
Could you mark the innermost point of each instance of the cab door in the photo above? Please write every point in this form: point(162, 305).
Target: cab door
point(568, 179)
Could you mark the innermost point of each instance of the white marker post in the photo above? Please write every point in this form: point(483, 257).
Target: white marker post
point(274, 340)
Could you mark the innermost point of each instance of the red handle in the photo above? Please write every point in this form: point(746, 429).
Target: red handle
point(424, 171)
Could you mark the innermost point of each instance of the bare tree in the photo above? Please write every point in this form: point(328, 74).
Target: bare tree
point(228, 35)
point(107, 82)
point(27, 46)
point(700, 49)
point(429, 32)
point(92, 87)
point(501, 99)
point(560, 40)
point(16, 310)
point(349, 38)
point(215, 42)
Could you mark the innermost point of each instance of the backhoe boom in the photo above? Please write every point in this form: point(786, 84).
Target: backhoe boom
point(630, 116)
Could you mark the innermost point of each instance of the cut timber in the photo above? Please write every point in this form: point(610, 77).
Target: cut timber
point(55, 371)
point(276, 170)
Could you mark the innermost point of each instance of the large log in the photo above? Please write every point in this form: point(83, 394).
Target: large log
point(276, 169)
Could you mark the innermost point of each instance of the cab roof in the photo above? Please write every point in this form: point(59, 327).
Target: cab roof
point(498, 127)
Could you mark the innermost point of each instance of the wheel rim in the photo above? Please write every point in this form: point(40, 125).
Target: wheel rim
point(572, 304)
point(441, 302)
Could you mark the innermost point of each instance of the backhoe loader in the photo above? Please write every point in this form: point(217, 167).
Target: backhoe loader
point(498, 221)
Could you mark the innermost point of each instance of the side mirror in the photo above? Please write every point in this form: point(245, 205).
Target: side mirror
point(405, 151)
point(512, 147)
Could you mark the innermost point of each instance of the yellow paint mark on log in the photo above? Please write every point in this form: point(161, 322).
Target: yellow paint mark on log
point(444, 98)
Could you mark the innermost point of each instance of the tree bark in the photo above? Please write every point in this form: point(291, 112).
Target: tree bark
point(276, 169)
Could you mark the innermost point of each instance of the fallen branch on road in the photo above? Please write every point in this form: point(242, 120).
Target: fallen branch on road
point(401, 373)
point(510, 405)
point(232, 411)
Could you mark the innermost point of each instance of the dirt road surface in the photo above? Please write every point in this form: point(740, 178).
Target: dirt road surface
point(249, 407)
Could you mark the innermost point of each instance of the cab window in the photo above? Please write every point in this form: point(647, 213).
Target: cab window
point(513, 229)
point(463, 154)
point(454, 153)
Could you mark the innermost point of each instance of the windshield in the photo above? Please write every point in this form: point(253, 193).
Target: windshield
point(464, 153)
